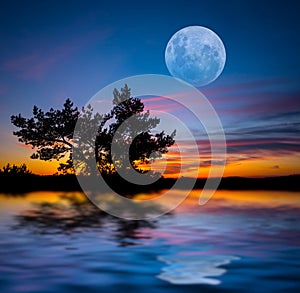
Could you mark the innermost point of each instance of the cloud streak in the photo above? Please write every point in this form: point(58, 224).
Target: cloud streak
point(40, 60)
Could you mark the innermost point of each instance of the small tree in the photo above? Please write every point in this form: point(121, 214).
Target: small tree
point(15, 170)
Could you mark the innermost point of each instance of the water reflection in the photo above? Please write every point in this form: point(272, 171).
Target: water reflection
point(65, 244)
point(74, 213)
point(194, 269)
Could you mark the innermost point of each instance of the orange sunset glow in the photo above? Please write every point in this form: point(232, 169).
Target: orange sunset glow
point(237, 164)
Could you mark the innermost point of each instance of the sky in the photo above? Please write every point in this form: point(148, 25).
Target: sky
point(51, 50)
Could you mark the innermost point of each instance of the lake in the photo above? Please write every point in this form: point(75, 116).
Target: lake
point(240, 241)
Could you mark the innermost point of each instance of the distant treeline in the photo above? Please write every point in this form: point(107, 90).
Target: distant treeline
point(21, 183)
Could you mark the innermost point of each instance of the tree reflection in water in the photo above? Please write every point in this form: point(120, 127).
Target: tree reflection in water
point(74, 213)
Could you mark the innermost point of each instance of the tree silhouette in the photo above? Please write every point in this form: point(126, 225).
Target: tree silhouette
point(51, 134)
point(14, 170)
point(135, 135)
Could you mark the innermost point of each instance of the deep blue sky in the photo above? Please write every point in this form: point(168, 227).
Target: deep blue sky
point(51, 50)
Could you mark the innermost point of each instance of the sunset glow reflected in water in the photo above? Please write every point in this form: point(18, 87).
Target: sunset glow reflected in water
point(59, 242)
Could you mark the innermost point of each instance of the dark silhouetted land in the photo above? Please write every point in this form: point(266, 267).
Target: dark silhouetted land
point(31, 182)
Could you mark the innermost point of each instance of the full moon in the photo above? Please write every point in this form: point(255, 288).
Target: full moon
point(196, 55)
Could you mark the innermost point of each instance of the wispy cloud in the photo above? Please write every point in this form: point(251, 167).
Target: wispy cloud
point(37, 62)
point(262, 124)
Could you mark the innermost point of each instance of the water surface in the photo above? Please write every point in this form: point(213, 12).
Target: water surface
point(241, 241)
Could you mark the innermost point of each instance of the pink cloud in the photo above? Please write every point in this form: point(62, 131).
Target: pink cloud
point(270, 103)
point(253, 98)
point(24, 146)
point(36, 64)
point(246, 86)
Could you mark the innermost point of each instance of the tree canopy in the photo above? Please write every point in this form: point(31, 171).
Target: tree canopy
point(136, 135)
point(50, 133)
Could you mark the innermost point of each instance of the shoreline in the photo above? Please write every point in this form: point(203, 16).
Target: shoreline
point(31, 182)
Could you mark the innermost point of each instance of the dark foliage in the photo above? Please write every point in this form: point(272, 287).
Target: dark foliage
point(15, 170)
point(50, 134)
point(136, 124)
